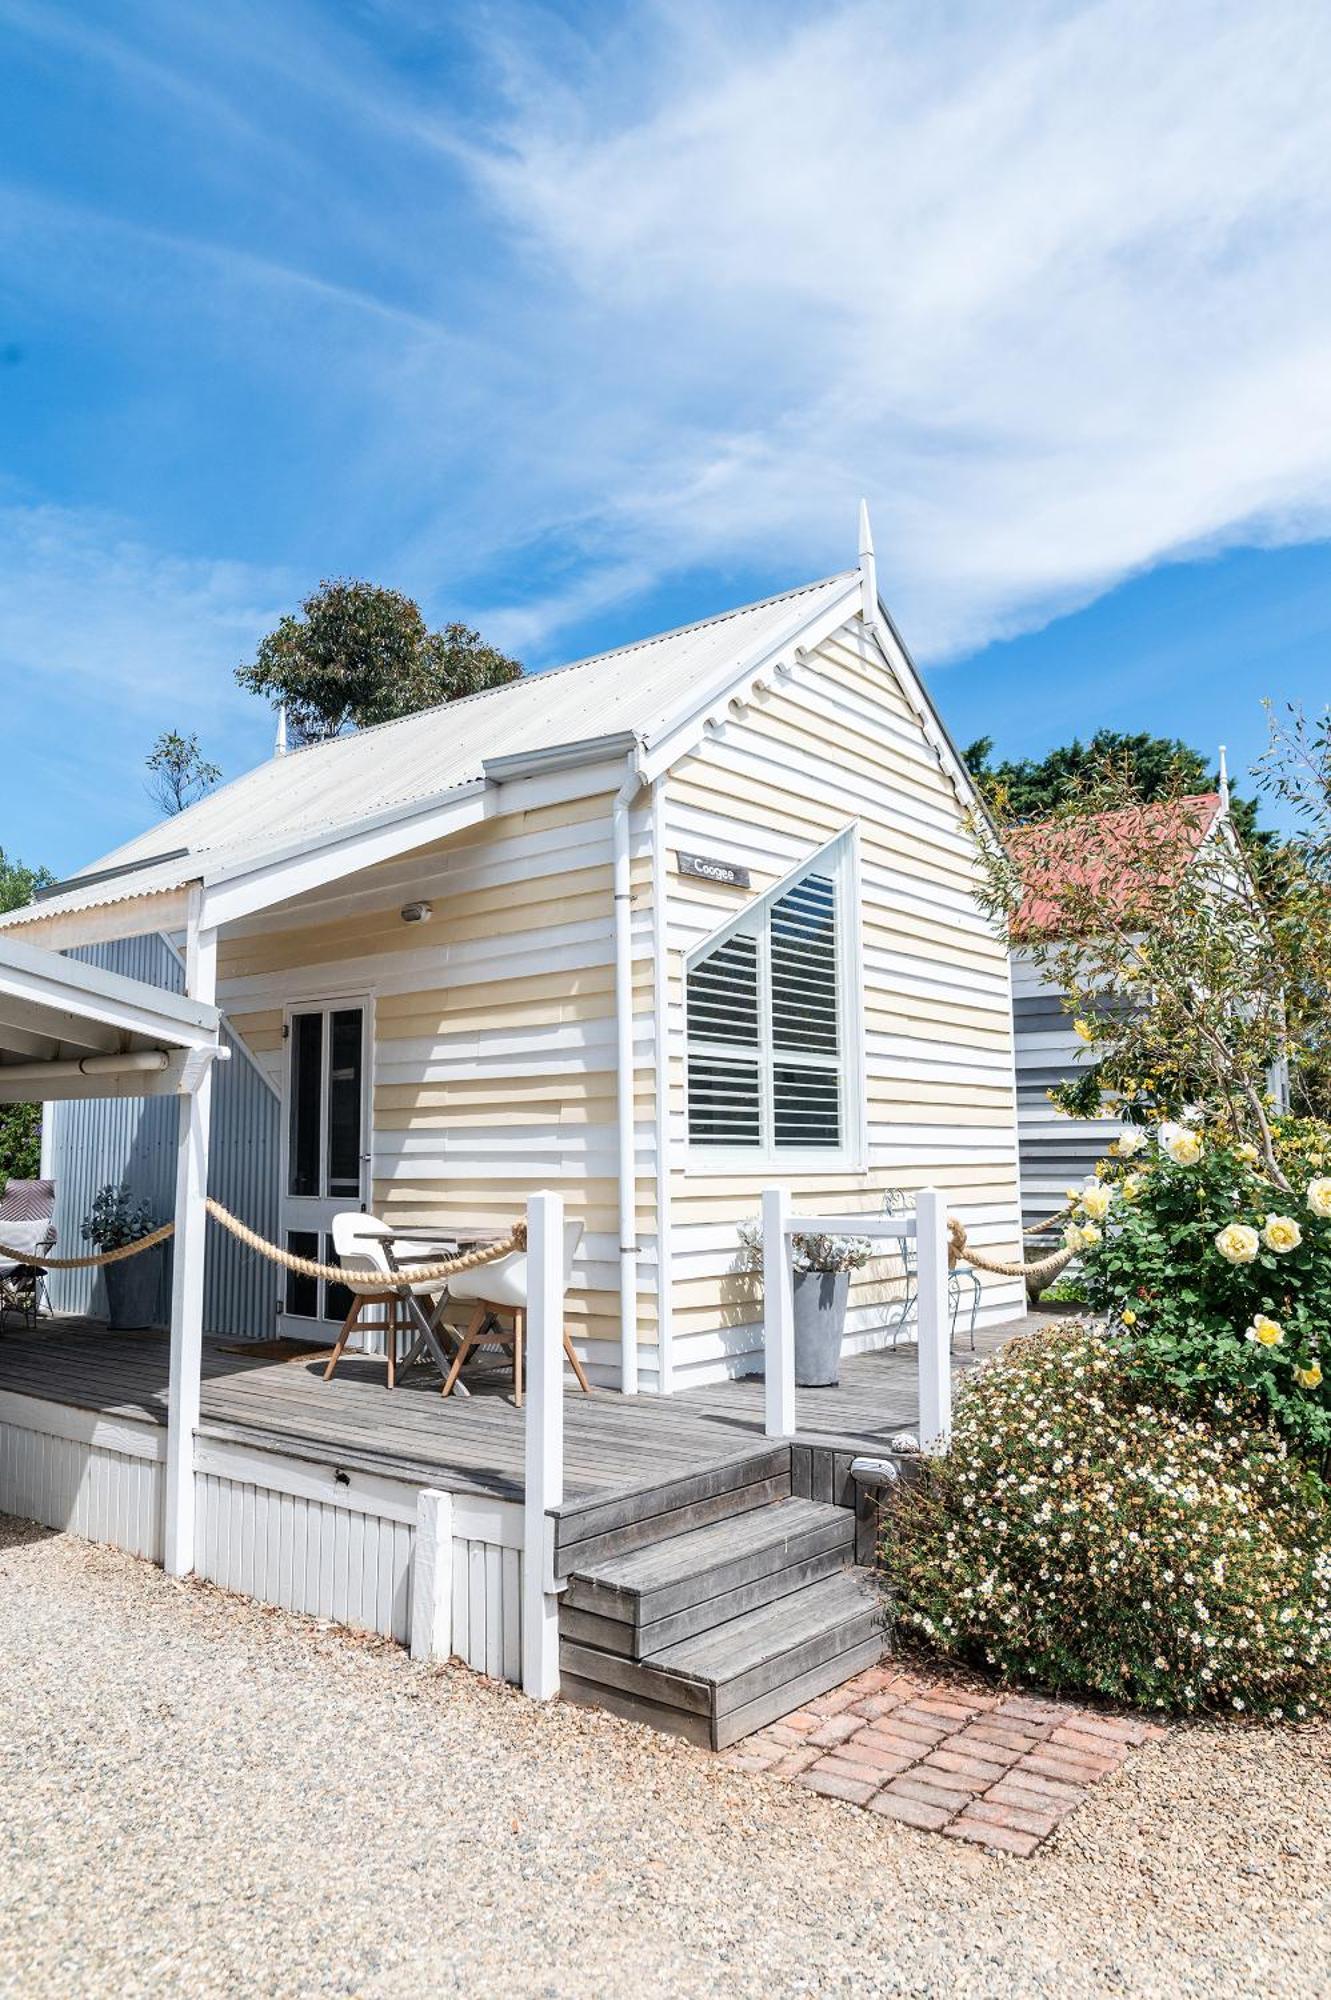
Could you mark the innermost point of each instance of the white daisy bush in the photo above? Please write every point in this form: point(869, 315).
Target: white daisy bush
point(1222, 1278)
point(1085, 1533)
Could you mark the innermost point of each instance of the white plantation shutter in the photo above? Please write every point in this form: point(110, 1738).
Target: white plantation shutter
point(766, 1021)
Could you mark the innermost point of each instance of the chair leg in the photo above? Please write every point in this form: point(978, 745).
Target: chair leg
point(577, 1367)
point(518, 1330)
point(469, 1340)
point(348, 1328)
point(390, 1343)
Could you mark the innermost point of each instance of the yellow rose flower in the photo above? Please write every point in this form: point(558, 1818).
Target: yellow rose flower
point(1237, 1243)
point(1248, 1153)
point(1281, 1233)
point(1309, 1378)
point(1183, 1147)
point(1131, 1186)
point(1128, 1316)
point(1265, 1332)
point(1129, 1141)
point(1080, 1236)
point(1319, 1195)
point(1094, 1200)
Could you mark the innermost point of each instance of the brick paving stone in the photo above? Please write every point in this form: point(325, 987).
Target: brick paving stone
point(874, 1705)
point(802, 1719)
point(835, 1730)
point(924, 1733)
point(1009, 1838)
point(1035, 1781)
point(794, 1762)
point(964, 1766)
point(1017, 1798)
point(887, 1738)
point(912, 1812)
point(917, 1784)
point(1025, 1818)
point(831, 1704)
point(969, 1742)
point(1034, 1708)
point(1120, 1728)
point(873, 1680)
point(1070, 1765)
point(1009, 1737)
point(946, 1709)
point(859, 1750)
point(834, 1786)
point(1072, 1737)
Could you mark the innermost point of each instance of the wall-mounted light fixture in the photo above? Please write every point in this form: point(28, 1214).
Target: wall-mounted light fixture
point(415, 913)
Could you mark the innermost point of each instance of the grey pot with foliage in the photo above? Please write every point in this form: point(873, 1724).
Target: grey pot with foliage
point(115, 1219)
point(820, 1322)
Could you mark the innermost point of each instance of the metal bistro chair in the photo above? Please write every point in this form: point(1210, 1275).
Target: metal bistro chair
point(361, 1243)
point(27, 1222)
point(897, 1202)
point(498, 1288)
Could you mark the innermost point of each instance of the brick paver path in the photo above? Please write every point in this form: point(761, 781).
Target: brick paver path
point(998, 1769)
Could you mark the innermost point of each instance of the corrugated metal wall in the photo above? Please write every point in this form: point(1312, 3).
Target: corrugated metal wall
point(133, 1139)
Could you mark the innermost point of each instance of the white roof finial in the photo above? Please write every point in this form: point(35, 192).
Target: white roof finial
point(280, 746)
point(868, 569)
point(1224, 781)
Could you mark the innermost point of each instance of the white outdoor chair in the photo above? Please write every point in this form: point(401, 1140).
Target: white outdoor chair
point(498, 1288)
point(361, 1244)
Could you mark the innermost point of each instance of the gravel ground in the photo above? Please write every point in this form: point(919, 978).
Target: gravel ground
point(200, 1796)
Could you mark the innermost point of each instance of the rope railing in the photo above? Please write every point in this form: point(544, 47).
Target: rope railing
point(303, 1267)
point(1044, 1268)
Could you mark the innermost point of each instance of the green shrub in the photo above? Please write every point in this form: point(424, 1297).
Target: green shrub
point(1223, 1280)
point(1080, 1535)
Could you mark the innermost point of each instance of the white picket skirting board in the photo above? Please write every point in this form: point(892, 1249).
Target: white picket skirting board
point(280, 1530)
point(103, 1478)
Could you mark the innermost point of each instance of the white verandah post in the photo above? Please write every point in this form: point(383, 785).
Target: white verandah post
point(933, 1329)
point(187, 1273)
point(778, 1315)
point(544, 1444)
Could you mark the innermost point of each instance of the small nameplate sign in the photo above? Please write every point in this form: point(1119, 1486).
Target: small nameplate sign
point(709, 870)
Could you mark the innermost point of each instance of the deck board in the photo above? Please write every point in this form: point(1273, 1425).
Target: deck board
point(612, 1443)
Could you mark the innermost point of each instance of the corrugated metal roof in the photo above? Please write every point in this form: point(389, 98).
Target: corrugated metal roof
point(329, 786)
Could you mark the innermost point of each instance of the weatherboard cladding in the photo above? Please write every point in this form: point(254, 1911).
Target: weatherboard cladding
point(133, 1140)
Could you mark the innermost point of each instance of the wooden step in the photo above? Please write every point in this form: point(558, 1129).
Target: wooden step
point(637, 1604)
point(718, 1685)
point(589, 1532)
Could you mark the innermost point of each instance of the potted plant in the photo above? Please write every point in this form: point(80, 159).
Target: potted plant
point(115, 1218)
point(822, 1268)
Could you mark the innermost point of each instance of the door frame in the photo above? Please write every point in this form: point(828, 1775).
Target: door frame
point(325, 1001)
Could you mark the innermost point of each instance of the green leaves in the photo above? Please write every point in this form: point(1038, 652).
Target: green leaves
point(360, 654)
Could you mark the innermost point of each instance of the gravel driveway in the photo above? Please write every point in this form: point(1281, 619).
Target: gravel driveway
point(200, 1796)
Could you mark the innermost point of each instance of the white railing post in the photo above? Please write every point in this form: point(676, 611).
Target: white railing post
point(778, 1314)
point(187, 1263)
point(432, 1577)
point(544, 1416)
point(934, 1352)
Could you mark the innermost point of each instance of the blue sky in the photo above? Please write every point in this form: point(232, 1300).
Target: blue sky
point(581, 322)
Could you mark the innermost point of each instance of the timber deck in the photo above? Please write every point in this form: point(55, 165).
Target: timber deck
point(612, 1443)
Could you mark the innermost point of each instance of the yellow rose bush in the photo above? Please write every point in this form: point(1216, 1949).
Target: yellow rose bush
point(1083, 1532)
point(1207, 1262)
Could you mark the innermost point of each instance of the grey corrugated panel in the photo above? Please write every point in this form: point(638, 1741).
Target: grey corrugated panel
point(133, 1139)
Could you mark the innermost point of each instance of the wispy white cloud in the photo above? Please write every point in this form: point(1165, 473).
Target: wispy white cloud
point(1047, 282)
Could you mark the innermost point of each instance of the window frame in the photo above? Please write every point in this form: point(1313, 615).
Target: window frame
point(838, 859)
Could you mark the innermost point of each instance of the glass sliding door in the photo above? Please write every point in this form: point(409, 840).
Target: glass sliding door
point(327, 1149)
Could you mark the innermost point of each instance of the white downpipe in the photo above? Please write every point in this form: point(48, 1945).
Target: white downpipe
point(133, 1062)
point(661, 1052)
point(628, 1218)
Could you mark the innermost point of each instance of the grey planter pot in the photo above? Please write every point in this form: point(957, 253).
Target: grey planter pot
point(820, 1321)
point(131, 1292)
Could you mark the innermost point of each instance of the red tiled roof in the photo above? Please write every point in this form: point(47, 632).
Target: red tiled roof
point(1174, 829)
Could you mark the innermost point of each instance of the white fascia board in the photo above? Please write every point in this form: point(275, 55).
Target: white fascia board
point(682, 727)
point(45, 982)
point(241, 889)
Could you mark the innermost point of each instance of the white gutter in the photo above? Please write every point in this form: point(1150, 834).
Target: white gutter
point(661, 1057)
point(620, 818)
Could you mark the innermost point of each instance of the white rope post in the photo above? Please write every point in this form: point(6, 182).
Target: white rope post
point(778, 1314)
point(432, 1577)
point(187, 1256)
point(544, 1415)
point(934, 1349)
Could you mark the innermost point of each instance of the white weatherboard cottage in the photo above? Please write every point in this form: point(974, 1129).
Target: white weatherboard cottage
point(656, 931)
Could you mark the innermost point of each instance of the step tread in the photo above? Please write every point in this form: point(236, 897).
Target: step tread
point(756, 1638)
point(661, 1564)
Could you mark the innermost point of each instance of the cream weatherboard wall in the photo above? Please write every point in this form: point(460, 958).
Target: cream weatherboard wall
point(835, 744)
point(493, 1069)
